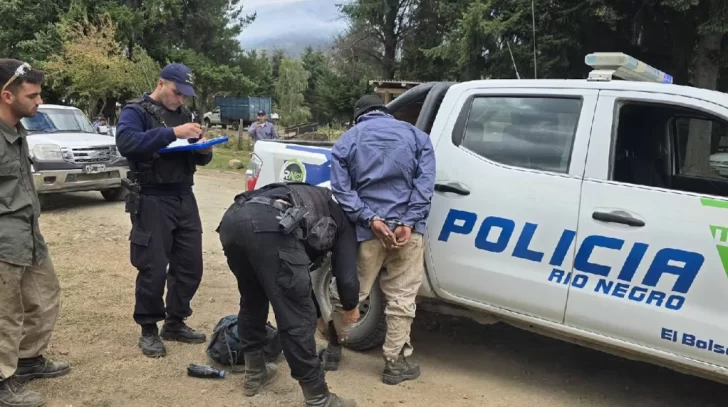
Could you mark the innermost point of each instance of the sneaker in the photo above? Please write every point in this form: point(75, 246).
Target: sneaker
point(41, 368)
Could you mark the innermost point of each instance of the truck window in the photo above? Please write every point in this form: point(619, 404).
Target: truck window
point(673, 147)
point(528, 132)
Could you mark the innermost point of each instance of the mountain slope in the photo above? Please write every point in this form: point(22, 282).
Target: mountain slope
point(291, 25)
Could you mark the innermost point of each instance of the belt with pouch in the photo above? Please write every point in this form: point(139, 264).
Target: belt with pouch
point(275, 203)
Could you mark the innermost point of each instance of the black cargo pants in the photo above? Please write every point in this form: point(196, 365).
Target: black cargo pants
point(271, 266)
point(167, 231)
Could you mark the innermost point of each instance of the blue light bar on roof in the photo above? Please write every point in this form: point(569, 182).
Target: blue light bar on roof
point(608, 64)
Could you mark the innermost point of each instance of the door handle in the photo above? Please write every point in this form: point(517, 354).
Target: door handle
point(452, 187)
point(615, 218)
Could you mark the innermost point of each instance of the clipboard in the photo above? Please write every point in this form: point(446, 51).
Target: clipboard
point(184, 145)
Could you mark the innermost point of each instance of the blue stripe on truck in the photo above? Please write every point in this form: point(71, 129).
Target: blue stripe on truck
point(316, 174)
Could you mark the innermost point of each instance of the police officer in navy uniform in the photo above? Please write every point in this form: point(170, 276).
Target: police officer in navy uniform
point(271, 236)
point(166, 229)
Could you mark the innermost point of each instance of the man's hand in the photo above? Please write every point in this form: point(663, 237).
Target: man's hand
point(207, 150)
point(350, 317)
point(188, 130)
point(382, 232)
point(403, 234)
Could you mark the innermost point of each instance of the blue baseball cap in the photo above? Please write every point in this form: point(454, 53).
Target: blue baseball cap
point(182, 77)
point(261, 112)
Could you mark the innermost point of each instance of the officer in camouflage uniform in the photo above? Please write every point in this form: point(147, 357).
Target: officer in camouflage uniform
point(166, 229)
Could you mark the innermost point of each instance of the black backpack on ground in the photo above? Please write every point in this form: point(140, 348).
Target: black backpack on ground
point(224, 345)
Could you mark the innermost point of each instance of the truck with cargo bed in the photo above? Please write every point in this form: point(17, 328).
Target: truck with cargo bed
point(68, 155)
point(230, 110)
point(593, 211)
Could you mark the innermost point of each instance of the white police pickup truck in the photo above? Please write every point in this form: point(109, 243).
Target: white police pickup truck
point(587, 210)
point(67, 155)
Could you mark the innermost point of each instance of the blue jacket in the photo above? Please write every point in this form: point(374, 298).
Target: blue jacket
point(267, 131)
point(384, 167)
point(138, 139)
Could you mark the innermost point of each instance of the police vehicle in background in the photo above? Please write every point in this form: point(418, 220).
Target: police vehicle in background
point(67, 155)
point(593, 211)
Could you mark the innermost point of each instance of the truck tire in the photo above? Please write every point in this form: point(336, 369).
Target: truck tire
point(207, 123)
point(116, 194)
point(370, 330)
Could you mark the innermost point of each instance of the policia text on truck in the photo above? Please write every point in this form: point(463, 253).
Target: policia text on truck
point(166, 227)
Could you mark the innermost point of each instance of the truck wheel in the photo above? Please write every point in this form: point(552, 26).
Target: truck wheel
point(207, 123)
point(116, 194)
point(370, 330)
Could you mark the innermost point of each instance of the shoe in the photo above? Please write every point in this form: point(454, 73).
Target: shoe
point(150, 342)
point(41, 368)
point(318, 395)
point(400, 370)
point(178, 331)
point(330, 357)
point(13, 393)
point(258, 374)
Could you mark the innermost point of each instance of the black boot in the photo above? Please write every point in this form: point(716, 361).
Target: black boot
point(150, 342)
point(331, 356)
point(318, 395)
point(257, 373)
point(176, 330)
point(40, 368)
point(400, 370)
point(14, 393)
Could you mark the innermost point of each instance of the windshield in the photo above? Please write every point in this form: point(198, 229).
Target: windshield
point(58, 120)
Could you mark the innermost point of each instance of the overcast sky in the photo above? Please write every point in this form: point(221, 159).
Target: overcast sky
point(276, 18)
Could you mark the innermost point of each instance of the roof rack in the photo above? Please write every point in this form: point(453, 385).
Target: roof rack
point(609, 64)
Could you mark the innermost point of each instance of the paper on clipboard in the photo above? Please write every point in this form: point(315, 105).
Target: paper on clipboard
point(184, 145)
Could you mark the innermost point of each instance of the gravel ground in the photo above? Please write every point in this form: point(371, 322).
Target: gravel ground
point(463, 363)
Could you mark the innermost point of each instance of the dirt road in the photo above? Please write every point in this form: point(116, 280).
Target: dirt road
point(463, 364)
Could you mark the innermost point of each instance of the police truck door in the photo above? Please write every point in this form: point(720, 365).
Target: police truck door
point(653, 226)
point(507, 196)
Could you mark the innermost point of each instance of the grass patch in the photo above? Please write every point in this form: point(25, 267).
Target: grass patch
point(221, 156)
point(223, 153)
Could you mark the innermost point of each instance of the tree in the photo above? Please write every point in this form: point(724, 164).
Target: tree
point(212, 78)
point(92, 65)
point(291, 84)
point(258, 67)
point(316, 64)
point(383, 21)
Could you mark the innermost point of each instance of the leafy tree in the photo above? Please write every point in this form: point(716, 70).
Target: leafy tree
point(212, 78)
point(258, 67)
point(93, 66)
point(316, 64)
point(290, 86)
point(385, 22)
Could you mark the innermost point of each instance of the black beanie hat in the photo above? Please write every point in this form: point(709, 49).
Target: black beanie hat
point(367, 103)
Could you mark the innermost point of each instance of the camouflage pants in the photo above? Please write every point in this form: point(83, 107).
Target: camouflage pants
point(399, 283)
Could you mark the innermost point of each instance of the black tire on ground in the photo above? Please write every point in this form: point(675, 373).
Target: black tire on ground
point(207, 123)
point(116, 194)
point(369, 332)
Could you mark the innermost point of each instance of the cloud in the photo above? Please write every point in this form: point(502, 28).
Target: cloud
point(307, 19)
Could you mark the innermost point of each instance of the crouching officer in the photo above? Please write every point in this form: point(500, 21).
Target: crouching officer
point(166, 228)
point(270, 237)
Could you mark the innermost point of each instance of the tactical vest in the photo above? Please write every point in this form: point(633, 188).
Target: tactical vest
point(318, 228)
point(168, 168)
